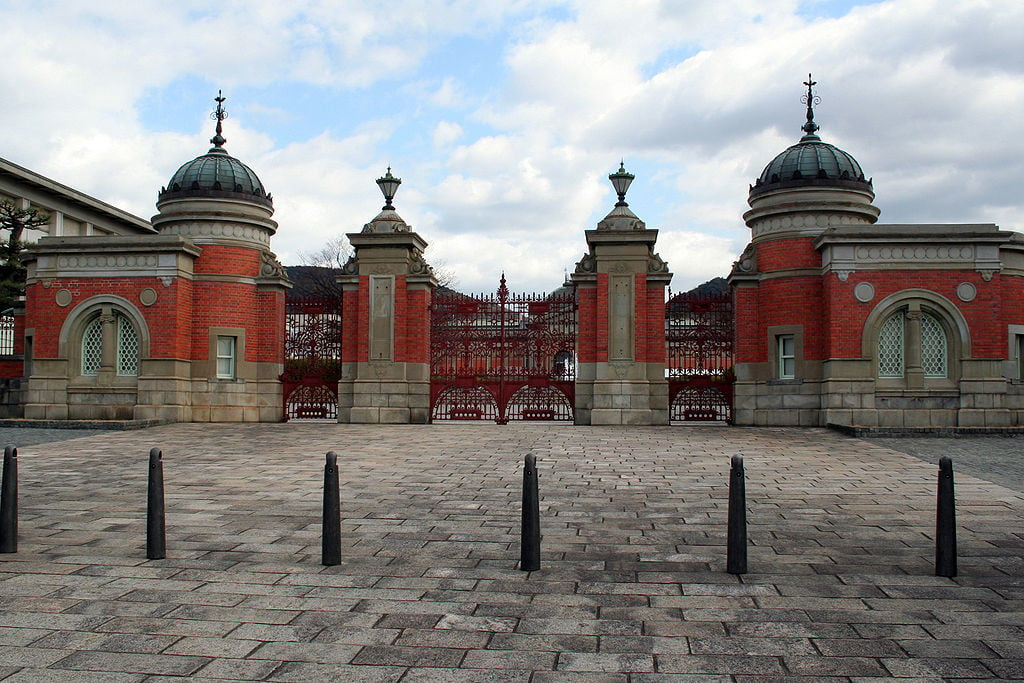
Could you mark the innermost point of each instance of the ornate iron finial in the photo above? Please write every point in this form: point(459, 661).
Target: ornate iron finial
point(810, 99)
point(502, 289)
point(219, 115)
point(620, 181)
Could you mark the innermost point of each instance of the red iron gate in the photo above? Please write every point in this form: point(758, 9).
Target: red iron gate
point(502, 356)
point(699, 335)
point(312, 365)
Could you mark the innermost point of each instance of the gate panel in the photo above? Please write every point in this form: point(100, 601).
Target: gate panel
point(700, 340)
point(312, 365)
point(502, 356)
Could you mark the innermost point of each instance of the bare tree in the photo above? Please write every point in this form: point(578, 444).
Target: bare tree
point(317, 276)
point(12, 271)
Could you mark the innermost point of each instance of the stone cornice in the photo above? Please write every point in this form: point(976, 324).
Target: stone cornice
point(394, 240)
point(913, 247)
point(595, 237)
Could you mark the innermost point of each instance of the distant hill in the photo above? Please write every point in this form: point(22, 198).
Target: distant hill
point(718, 285)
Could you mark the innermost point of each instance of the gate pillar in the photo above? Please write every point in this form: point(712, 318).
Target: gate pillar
point(386, 288)
point(620, 283)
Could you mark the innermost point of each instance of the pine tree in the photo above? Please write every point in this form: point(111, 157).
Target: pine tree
point(16, 221)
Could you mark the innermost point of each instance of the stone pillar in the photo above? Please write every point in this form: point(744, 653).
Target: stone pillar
point(621, 346)
point(914, 372)
point(386, 288)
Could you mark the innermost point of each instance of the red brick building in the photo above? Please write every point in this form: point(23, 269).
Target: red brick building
point(843, 320)
point(180, 321)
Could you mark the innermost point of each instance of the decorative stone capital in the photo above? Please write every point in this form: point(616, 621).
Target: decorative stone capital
point(621, 218)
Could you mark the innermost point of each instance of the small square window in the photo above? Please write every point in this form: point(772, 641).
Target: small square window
point(226, 357)
point(786, 354)
point(1020, 356)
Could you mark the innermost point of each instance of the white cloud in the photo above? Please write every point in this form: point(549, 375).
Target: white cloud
point(445, 133)
point(699, 95)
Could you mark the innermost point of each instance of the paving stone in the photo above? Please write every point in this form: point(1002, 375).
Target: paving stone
point(720, 664)
point(509, 660)
point(409, 656)
point(301, 672)
point(237, 669)
point(131, 663)
point(841, 559)
point(433, 675)
point(833, 666)
point(605, 662)
point(66, 676)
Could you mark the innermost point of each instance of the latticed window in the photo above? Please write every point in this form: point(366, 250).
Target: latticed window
point(933, 347)
point(126, 340)
point(127, 348)
point(92, 348)
point(890, 346)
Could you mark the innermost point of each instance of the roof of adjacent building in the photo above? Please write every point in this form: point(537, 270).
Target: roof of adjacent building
point(51, 195)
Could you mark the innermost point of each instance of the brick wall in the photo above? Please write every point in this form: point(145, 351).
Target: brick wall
point(165, 318)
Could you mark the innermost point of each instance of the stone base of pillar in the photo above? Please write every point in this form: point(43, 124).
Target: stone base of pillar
point(621, 393)
point(385, 393)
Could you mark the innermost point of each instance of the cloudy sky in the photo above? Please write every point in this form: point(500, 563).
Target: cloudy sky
point(504, 117)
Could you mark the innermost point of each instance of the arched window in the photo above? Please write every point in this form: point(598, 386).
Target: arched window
point(122, 335)
point(913, 340)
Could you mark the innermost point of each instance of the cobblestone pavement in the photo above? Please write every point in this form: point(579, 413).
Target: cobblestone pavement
point(632, 585)
point(998, 459)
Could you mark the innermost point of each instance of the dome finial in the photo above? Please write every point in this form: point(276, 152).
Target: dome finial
point(219, 115)
point(810, 99)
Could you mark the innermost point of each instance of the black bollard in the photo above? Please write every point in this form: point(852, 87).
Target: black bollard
point(156, 531)
point(529, 558)
point(331, 546)
point(945, 521)
point(9, 502)
point(736, 558)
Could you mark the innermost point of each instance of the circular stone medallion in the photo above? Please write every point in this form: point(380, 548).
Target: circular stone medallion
point(147, 296)
point(63, 298)
point(966, 291)
point(864, 292)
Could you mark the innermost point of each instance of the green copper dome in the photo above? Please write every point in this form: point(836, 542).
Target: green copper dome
point(216, 174)
point(811, 162)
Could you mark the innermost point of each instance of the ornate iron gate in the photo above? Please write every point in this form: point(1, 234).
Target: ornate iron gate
point(312, 365)
point(699, 335)
point(502, 356)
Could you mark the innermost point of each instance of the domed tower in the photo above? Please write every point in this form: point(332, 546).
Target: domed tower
point(236, 312)
point(810, 186)
point(808, 189)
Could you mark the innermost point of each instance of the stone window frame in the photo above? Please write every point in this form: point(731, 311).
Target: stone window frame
point(775, 334)
point(243, 369)
point(69, 345)
point(231, 357)
point(944, 312)
point(1014, 368)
